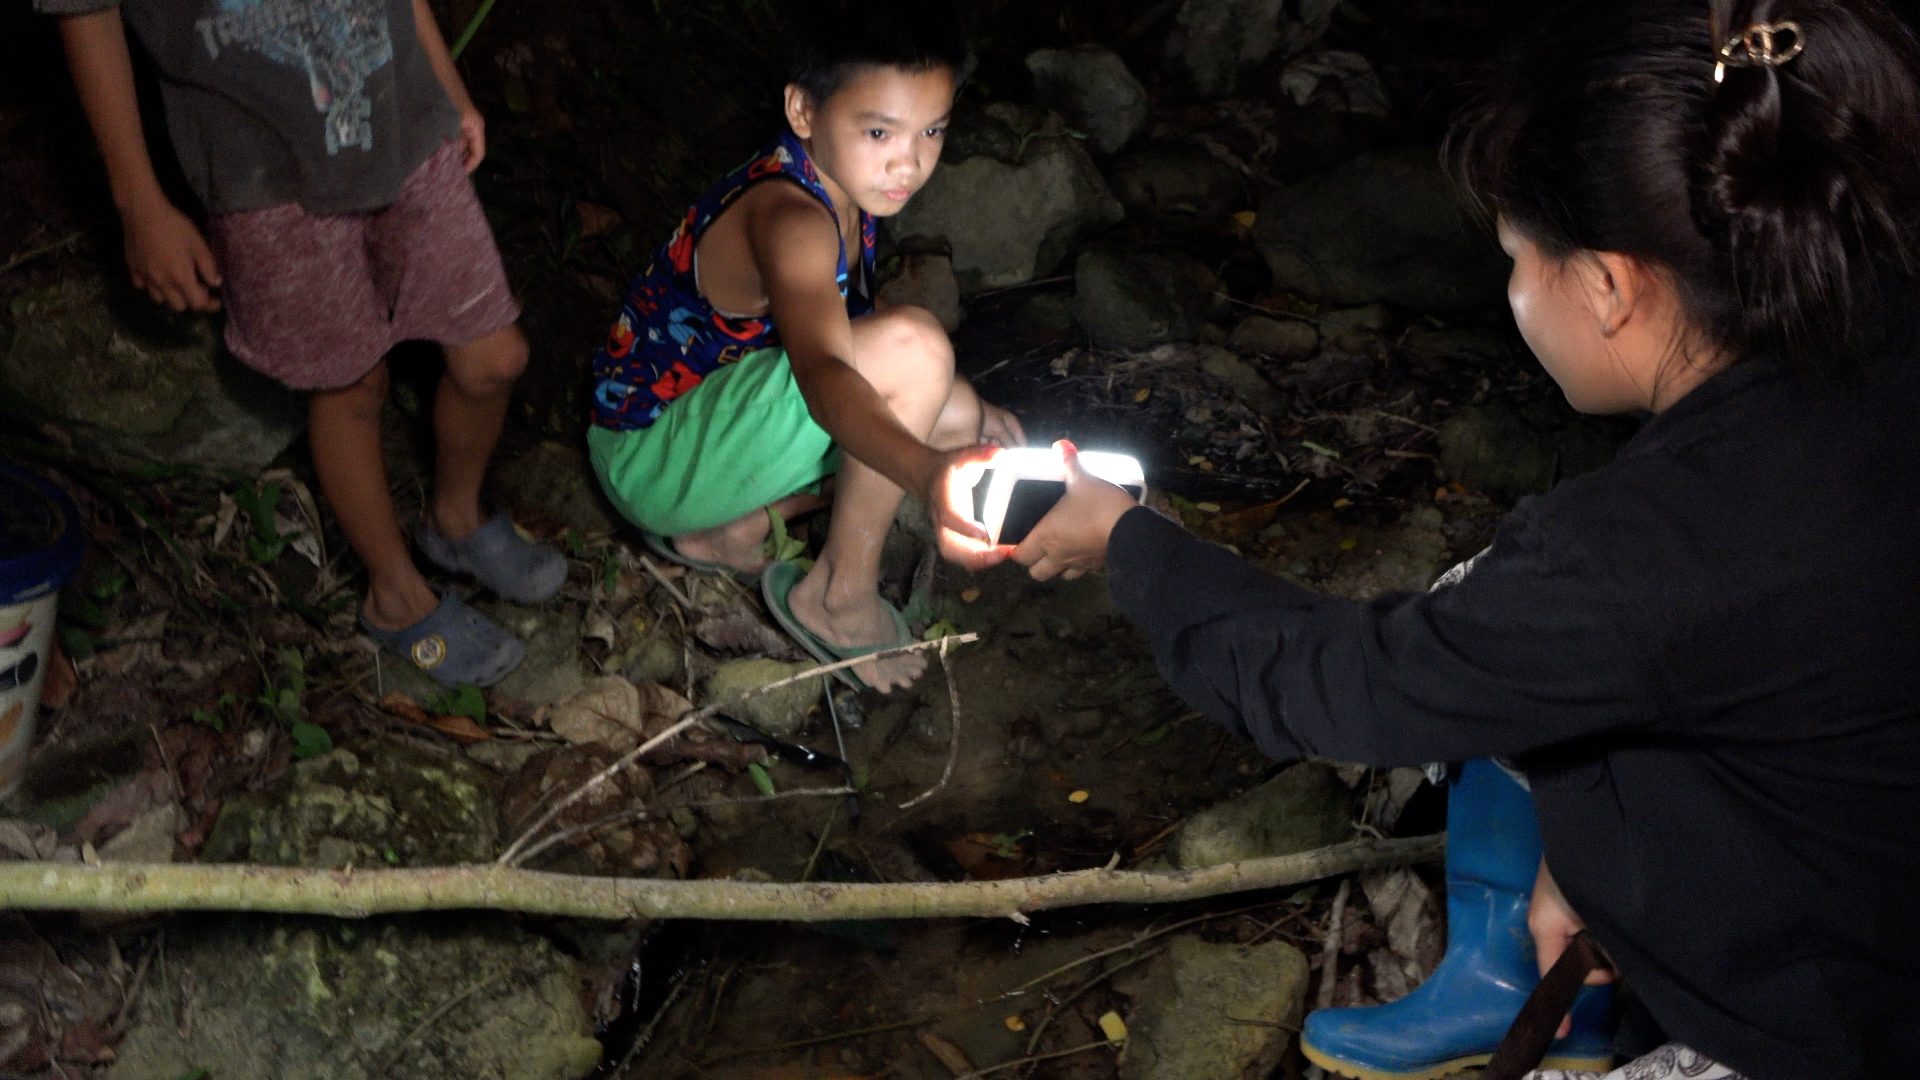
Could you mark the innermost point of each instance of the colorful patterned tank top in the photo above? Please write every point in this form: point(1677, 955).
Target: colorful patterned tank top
point(668, 337)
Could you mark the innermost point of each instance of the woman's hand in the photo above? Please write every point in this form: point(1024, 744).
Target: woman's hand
point(1553, 924)
point(1072, 538)
point(473, 136)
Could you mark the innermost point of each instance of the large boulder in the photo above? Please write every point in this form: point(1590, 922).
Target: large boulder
point(1139, 299)
point(1304, 807)
point(1162, 179)
point(1380, 227)
point(926, 280)
point(1092, 88)
point(1207, 1010)
point(140, 384)
point(1008, 221)
point(393, 806)
point(1514, 450)
point(447, 994)
point(1216, 44)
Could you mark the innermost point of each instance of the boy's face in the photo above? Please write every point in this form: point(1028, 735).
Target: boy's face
point(878, 137)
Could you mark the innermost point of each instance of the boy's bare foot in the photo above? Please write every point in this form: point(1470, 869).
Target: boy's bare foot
point(398, 606)
point(739, 544)
point(852, 623)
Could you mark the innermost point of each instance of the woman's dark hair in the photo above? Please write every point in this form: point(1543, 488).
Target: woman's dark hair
point(1783, 199)
point(826, 40)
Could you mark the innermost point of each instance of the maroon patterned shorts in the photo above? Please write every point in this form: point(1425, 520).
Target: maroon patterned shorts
point(315, 300)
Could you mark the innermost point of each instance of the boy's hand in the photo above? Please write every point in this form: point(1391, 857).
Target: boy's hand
point(1000, 427)
point(169, 259)
point(963, 541)
point(1072, 538)
point(1553, 923)
point(473, 136)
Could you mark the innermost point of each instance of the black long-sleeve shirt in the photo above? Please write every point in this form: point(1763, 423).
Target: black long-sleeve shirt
point(1706, 656)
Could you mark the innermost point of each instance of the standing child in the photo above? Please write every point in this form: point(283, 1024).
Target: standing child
point(748, 355)
point(1703, 657)
point(329, 143)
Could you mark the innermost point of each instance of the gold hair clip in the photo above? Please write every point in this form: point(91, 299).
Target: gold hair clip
point(1763, 44)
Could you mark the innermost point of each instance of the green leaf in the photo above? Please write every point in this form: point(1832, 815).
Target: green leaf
point(762, 782)
point(310, 740)
point(466, 701)
point(943, 628)
point(76, 643)
point(781, 545)
point(194, 1074)
point(210, 718)
point(1323, 451)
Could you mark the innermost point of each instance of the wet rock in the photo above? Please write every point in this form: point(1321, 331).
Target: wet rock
point(1138, 299)
point(389, 805)
point(1303, 808)
point(781, 713)
point(553, 482)
point(654, 658)
point(149, 839)
point(1358, 329)
point(926, 280)
point(1190, 1019)
point(1381, 227)
point(1246, 379)
point(1047, 316)
point(1092, 88)
point(1337, 81)
point(312, 999)
point(1162, 179)
point(1216, 44)
point(552, 670)
point(1436, 349)
point(1008, 223)
point(1509, 450)
point(141, 383)
point(1284, 340)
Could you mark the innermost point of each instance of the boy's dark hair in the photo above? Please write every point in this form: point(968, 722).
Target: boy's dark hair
point(1783, 199)
point(827, 40)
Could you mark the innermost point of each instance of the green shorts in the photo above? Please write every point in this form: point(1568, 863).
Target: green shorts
point(740, 440)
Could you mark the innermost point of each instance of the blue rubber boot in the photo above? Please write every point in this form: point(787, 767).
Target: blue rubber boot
point(1454, 1020)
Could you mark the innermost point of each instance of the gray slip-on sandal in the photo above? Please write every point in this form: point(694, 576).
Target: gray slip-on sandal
point(498, 557)
point(454, 644)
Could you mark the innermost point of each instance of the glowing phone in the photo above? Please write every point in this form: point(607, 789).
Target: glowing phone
point(1022, 483)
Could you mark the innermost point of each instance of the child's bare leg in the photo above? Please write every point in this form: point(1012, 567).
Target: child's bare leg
point(469, 409)
point(343, 426)
point(908, 359)
point(740, 543)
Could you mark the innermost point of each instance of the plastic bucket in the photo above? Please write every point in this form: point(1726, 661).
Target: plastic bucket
point(40, 545)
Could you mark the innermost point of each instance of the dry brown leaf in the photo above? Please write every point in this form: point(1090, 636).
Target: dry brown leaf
point(461, 729)
point(951, 1056)
point(404, 707)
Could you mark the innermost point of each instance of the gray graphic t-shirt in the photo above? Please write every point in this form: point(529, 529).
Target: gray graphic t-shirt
point(327, 103)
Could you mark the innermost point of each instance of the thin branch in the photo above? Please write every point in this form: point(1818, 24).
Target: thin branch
point(510, 857)
point(1017, 1062)
point(653, 571)
point(953, 735)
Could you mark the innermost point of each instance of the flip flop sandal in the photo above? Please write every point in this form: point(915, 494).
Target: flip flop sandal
point(454, 644)
point(498, 557)
point(775, 585)
point(662, 545)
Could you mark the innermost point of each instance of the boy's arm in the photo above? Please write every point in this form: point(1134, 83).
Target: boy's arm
point(473, 126)
point(795, 246)
point(166, 254)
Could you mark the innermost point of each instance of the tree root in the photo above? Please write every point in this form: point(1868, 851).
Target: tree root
point(351, 893)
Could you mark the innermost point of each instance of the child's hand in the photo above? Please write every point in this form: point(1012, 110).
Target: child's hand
point(1072, 538)
point(1000, 427)
point(963, 541)
point(169, 259)
point(473, 136)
